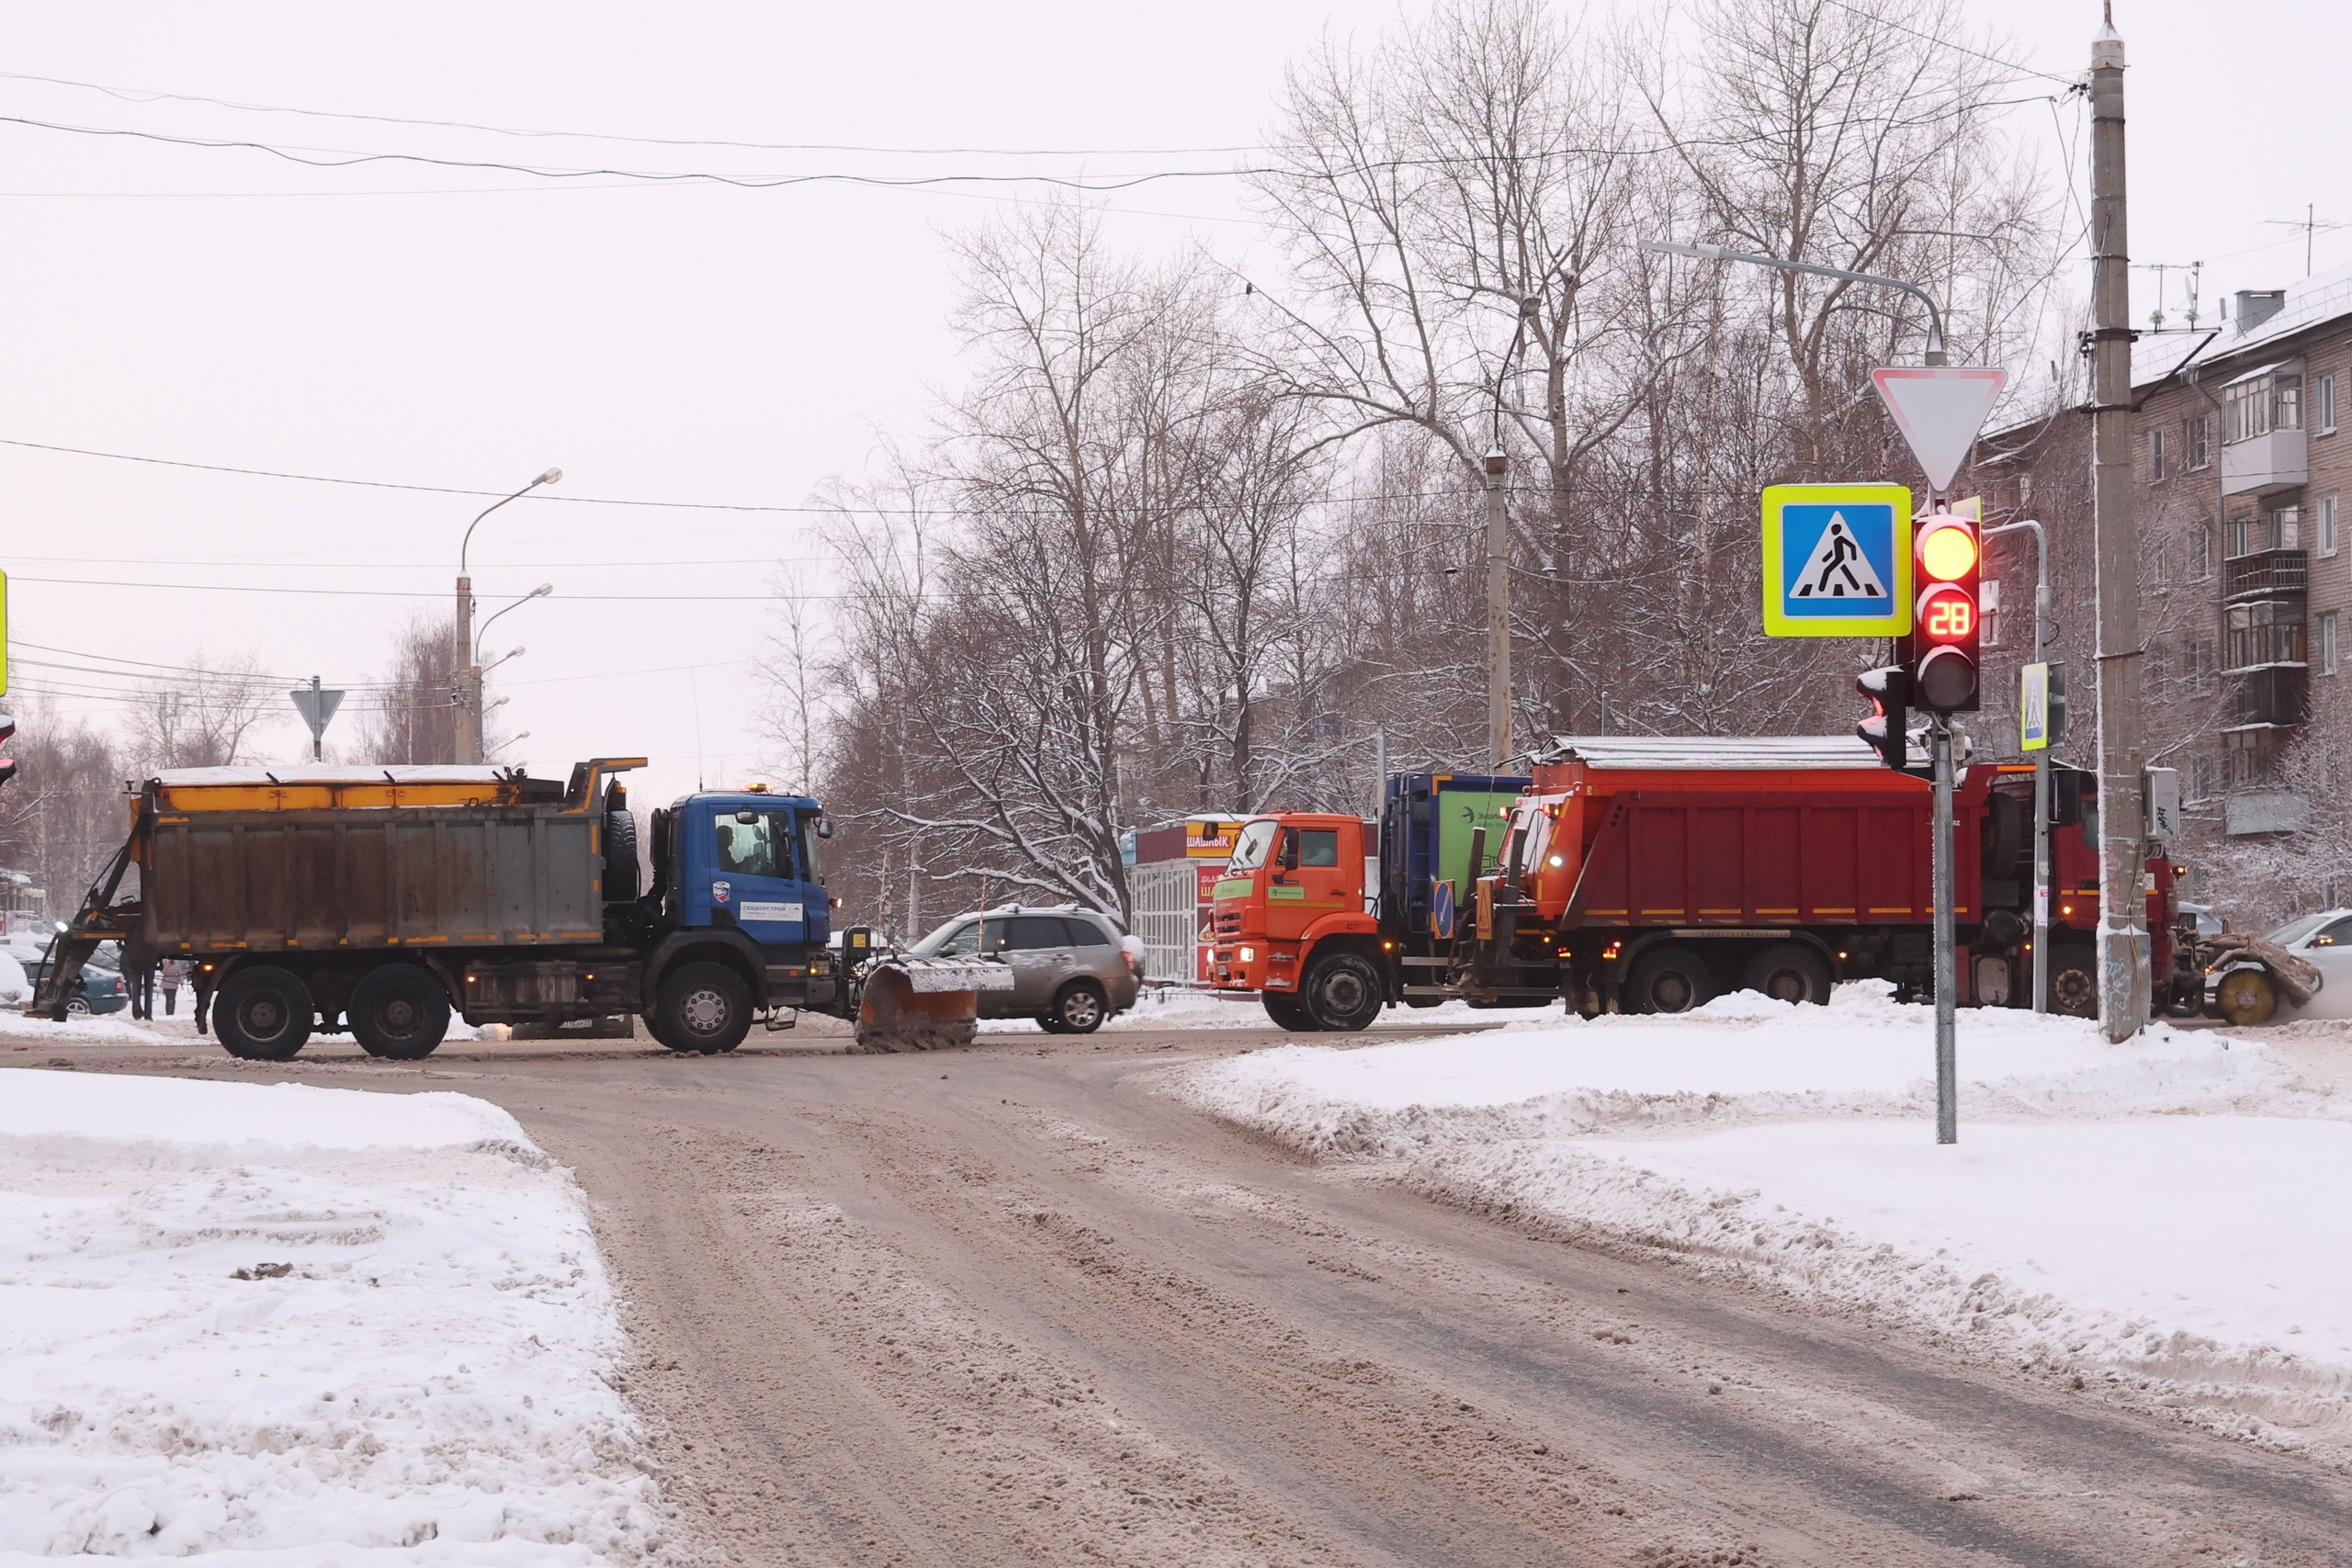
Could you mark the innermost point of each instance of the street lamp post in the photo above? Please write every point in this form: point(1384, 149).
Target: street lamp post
point(476, 669)
point(469, 664)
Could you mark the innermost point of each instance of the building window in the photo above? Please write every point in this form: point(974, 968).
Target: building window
point(2192, 666)
point(2327, 643)
point(2327, 534)
point(2156, 457)
point(2323, 405)
point(2286, 528)
point(2200, 553)
point(2261, 634)
point(2024, 490)
point(2155, 672)
point(2260, 406)
point(2237, 537)
point(2199, 440)
point(2200, 778)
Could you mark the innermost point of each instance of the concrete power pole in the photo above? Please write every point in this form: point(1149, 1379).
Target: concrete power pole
point(1497, 610)
point(468, 678)
point(2123, 908)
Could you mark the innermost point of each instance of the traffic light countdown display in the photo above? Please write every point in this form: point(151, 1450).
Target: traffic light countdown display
point(1947, 620)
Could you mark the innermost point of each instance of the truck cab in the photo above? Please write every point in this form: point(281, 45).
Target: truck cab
point(1295, 920)
point(739, 883)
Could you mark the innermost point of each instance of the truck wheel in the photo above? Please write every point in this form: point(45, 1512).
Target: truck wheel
point(1788, 971)
point(1669, 980)
point(262, 1014)
point(1288, 1013)
point(1342, 992)
point(399, 1012)
point(2073, 981)
point(704, 1008)
point(2246, 997)
point(1080, 1009)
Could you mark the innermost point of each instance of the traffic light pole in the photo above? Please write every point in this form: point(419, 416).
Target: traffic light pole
point(2040, 765)
point(1939, 732)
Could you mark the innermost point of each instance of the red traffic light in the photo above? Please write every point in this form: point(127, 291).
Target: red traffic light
point(1947, 620)
point(1889, 690)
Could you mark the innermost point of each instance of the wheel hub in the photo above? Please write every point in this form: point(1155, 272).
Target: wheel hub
point(705, 1011)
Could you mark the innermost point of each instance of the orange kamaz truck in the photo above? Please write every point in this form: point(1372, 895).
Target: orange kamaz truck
point(1649, 875)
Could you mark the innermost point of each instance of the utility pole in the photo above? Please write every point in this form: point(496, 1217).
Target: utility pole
point(2123, 907)
point(1498, 609)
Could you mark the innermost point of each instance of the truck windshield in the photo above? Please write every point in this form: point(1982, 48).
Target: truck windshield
point(1249, 850)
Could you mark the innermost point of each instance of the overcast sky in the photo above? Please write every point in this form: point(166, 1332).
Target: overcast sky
point(465, 328)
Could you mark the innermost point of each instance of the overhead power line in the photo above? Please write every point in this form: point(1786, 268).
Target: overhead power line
point(143, 96)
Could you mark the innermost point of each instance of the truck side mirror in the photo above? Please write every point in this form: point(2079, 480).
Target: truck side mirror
point(824, 827)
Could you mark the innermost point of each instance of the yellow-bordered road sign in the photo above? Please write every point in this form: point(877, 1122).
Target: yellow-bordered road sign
point(1837, 560)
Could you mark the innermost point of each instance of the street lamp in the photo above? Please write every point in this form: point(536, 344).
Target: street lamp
point(469, 667)
point(1935, 354)
point(475, 669)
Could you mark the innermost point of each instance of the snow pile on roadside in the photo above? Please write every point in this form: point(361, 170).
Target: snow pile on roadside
point(1173, 1006)
point(2163, 1207)
point(116, 1029)
point(1742, 1057)
point(245, 1323)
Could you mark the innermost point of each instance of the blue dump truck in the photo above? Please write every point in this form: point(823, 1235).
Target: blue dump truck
point(384, 899)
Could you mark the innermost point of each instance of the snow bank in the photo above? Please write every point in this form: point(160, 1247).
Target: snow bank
point(2161, 1209)
point(245, 1324)
point(1171, 1008)
point(114, 1028)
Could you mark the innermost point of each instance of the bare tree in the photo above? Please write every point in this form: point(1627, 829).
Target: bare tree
point(411, 715)
point(203, 717)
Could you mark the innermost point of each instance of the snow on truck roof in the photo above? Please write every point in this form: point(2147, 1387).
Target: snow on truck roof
point(325, 773)
point(1710, 751)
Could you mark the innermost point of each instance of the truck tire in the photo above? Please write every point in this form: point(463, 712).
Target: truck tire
point(2074, 980)
point(1078, 1009)
point(1669, 980)
point(704, 1008)
point(262, 1014)
point(2246, 997)
point(1288, 1013)
point(1342, 992)
point(399, 1012)
point(1790, 972)
point(620, 856)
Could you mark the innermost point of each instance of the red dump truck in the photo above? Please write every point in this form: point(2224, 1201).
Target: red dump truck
point(1649, 875)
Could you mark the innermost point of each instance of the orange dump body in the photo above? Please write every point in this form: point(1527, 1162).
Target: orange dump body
point(1734, 846)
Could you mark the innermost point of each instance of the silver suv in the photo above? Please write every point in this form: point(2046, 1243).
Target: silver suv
point(1071, 968)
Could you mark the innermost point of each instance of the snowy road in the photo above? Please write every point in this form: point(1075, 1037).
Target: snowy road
point(1018, 1304)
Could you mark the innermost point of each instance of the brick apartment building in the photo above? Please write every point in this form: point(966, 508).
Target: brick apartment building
point(2246, 580)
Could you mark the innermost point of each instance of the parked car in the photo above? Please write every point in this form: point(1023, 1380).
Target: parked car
point(97, 990)
point(15, 991)
point(1072, 967)
point(2324, 941)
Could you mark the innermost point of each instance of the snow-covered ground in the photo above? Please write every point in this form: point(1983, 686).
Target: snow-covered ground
point(1169, 1007)
point(244, 1324)
point(2168, 1209)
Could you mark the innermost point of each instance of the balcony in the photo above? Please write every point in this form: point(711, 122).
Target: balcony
point(2273, 696)
point(2263, 446)
point(2265, 574)
point(2265, 811)
point(2261, 465)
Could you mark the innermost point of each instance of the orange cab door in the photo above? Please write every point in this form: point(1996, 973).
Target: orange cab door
point(1314, 874)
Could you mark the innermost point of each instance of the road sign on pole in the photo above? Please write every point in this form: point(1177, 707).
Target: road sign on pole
point(316, 704)
point(1940, 409)
point(1836, 560)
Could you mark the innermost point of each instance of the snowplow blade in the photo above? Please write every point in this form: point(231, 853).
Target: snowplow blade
point(922, 1004)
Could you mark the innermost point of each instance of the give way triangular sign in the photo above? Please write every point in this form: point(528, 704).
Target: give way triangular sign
point(1940, 409)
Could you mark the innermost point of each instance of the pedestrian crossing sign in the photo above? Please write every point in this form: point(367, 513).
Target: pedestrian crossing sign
point(1836, 560)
